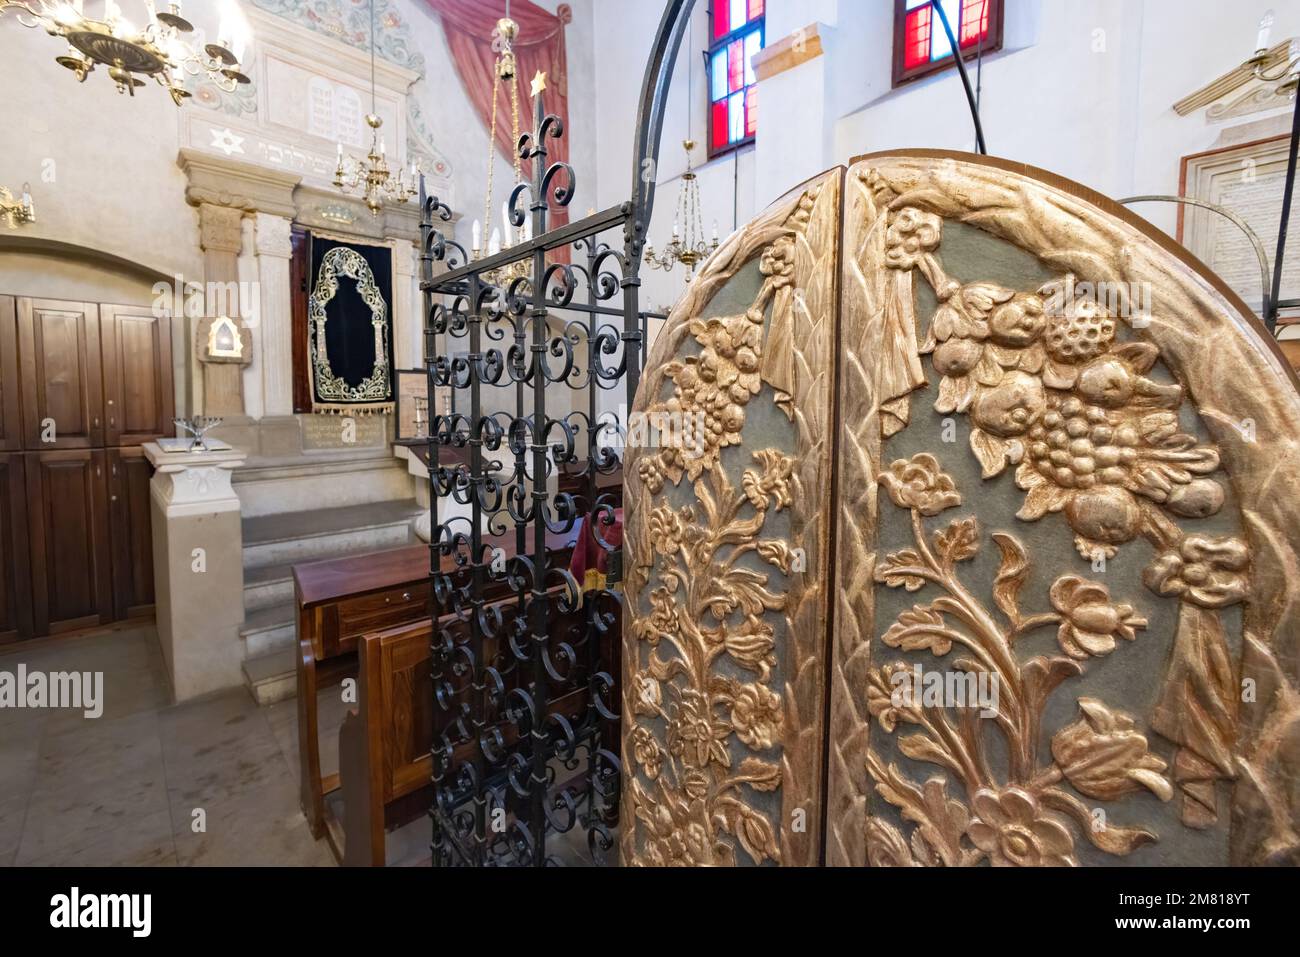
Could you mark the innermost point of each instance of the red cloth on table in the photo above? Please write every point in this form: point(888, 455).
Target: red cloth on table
point(588, 555)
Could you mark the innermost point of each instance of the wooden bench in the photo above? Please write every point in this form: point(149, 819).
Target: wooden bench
point(339, 601)
point(384, 745)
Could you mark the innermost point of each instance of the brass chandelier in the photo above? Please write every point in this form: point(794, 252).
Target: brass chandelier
point(371, 175)
point(688, 249)
point(1283, 70)
point(16, 212)
point(160, 49)
point(504, 70)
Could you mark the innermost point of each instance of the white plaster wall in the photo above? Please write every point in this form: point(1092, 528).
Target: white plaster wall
point(1083, 88)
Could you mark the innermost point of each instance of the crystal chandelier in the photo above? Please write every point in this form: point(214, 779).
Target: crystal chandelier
point(161, 49)
point(16, 212)
point(504, 70)
point(689, 249)
point(371, 175)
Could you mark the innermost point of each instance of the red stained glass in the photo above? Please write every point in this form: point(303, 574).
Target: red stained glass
point(751, 111)
point(735, 65)
point(720, 12)
point(974, 21)
point(719, 125)
point(916, 38)
point(755, 9)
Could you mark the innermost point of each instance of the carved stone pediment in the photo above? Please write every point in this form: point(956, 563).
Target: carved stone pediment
point(971, 534)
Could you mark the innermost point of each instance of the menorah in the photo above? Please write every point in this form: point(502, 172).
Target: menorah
point(198, 426)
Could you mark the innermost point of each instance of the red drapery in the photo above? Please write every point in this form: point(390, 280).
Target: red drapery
point(538, 47)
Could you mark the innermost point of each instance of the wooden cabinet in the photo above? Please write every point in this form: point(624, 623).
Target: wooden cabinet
point(61, 372)
point(11, 434)
point(82, 387)
point(137, 356)
point(67, 519)
point(131, 532)
point(15, 579)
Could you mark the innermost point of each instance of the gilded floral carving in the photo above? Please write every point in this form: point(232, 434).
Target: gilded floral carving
point(1023, 818)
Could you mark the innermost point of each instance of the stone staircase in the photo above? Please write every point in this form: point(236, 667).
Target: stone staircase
point(273, 544)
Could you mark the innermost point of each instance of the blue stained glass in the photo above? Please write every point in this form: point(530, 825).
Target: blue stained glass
point(753, 43)
point(736, 117)
point(739, 13)
point(939, 45)
point(718, 84)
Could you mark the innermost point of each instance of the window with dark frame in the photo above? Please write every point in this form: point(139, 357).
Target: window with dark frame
point(921, 44)
point(736, 36)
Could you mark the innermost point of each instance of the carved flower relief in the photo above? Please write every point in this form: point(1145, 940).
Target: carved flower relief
point(1011, 828)
point(1104, 757)
point(645, 748)
point(777, 262)
point(1090, 622)
point(910, 235)
point(756, 716)
point(772, 484)
point(919, 483)
point(694, 734)
point(892, 695)
point(1206, 570)
point(647, 694)
point(678, 835)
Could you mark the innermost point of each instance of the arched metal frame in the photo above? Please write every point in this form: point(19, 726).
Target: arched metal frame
point(524, 660)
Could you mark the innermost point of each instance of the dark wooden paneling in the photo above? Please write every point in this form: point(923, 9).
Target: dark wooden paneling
point(132, 532)
point(138, 397)
point(299, 277)
point(58, 347)
point(15, 578)
point(11, 434)
point(67, 494)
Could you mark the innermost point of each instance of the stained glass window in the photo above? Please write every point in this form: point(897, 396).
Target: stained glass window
point(921, 44)
point(736, 37)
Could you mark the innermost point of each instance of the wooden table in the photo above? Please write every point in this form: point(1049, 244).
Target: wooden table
point(341, 599)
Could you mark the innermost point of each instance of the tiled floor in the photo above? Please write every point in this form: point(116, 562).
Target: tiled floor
point(208, 782)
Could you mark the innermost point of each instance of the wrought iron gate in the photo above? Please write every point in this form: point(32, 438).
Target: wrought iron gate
point(525, 662)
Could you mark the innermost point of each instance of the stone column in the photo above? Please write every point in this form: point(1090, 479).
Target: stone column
point(198, 567)
point(221, 241)
point(407, 321)
point(274, 249)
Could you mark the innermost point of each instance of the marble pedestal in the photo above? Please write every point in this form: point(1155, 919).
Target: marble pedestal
point(198, 567)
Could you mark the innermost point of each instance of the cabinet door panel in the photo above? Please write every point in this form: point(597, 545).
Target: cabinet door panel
point(132, 535)
point(138, 400)
point(63, 400)
point(15, 580)
point(68, 522)
point(10, 422)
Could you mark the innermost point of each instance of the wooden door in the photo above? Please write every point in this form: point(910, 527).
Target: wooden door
point(131, 532)
point(67, 493)
point(10, 422)
point(138, 398)
point(15, 580)
point(62, 392)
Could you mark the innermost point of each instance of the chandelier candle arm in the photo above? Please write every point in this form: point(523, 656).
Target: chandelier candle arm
point(16, 212)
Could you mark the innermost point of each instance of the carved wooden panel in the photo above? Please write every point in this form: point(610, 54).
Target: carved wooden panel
point(1065, 479)
point(15, 577)
point(10, 421)
point(726, 553)
point(138, 397)
point(63, 397)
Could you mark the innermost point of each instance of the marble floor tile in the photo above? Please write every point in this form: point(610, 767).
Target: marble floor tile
point(260, 827)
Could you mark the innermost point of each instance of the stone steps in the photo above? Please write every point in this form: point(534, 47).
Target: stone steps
point(273, 544)
point(294, 537)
